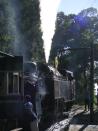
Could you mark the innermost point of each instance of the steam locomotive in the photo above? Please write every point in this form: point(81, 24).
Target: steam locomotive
point(49, 90)
point(52, 92)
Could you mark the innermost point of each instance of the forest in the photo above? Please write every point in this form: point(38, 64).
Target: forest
point(75, 36)
point(20, 29)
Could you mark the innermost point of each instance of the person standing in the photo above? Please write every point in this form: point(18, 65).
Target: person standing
point(30, 115)
point(87, 100)
point(97, 96)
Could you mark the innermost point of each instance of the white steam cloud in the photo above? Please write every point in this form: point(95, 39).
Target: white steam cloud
point(48, 16)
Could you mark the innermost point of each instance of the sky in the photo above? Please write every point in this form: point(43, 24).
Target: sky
point(48, 16)
point(49, 9)
point(75, 6)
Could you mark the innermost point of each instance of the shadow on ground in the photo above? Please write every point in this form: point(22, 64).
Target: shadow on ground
point(83, 119)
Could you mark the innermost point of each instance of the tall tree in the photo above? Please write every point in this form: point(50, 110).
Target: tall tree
point(75, 31)
point(5, 36)
point(30, 29)
point(20, 26)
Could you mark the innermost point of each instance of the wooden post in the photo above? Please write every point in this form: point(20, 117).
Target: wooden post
point(91, 83)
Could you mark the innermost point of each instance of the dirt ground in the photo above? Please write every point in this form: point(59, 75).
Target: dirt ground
point(78, 120)
point(81, 121)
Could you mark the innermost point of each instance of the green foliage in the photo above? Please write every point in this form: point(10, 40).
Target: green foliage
point(20, 31)
point(5, 37)
point(30, 29)
point(76, 31)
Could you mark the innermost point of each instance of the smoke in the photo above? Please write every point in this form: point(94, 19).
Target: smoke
point(14, 15)
point(48, 17)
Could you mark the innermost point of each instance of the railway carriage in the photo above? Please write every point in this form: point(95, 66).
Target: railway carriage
point(11, 90)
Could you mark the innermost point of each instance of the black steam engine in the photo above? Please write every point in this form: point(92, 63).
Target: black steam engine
point(49, 90)
point(59, 93)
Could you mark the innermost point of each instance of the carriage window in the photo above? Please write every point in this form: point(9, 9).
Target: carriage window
point(13, 83)
point(3, 83)
point(10, 82)
point(16, 82)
